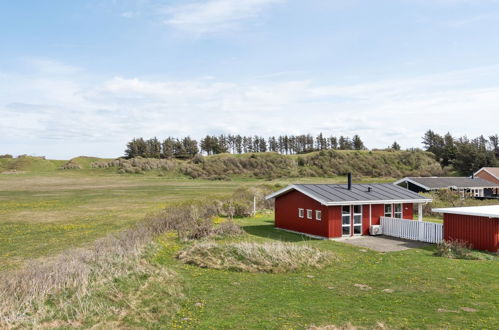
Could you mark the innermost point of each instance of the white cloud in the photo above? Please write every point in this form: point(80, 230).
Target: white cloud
point(205, 17)
point(80, 113)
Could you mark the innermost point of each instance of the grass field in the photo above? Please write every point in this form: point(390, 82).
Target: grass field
point(428, 291)
point(48, 210)
point(44, 213)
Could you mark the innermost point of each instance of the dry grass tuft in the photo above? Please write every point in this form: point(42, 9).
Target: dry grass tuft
point(273, 257)
point(348, 326)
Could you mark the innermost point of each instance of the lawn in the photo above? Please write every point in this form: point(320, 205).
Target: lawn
point(45, 211)
point(44, 214)
point(424, 291)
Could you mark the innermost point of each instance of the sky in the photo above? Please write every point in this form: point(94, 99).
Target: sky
point(83, 77)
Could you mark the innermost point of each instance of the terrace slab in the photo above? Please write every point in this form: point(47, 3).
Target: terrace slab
point(383, 243)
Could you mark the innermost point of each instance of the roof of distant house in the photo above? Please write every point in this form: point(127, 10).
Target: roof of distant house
point(339, 194)
point(491, 211)
point(431, 183)
point(494, 171)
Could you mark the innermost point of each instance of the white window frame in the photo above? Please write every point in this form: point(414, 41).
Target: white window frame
point(318, 215)
point(301, 213)
point(401, 212)
point(358, 214)
point(349, 224)
point(309, 214)
point(391, 210)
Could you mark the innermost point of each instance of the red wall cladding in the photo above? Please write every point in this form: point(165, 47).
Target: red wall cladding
point(481, 232)
point(286, 214)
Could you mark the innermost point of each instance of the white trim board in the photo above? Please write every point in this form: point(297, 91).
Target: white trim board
point(490, 211)
point(484, 169)
point(413, 182)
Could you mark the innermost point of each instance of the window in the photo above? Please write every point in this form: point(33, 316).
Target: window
point(397, 213)
point(309, 214)
point(301, 213)
point(345, 220)
point(318, 215)
point(357, 220)
point(388, 210)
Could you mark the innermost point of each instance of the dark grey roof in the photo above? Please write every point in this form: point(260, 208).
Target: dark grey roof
point(339, 193)
point(448, 182)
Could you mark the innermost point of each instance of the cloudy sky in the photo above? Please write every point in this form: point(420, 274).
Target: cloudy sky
point(82, 77)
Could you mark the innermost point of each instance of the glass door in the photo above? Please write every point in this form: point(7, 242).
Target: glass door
point(345, 220)
point(357, 219)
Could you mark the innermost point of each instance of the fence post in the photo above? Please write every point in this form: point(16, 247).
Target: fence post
point(421, 229)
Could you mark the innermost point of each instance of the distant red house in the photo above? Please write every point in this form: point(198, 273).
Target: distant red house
point(477, 225)
point(336, 210)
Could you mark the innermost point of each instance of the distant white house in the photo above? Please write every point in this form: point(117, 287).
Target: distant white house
point(475, 187)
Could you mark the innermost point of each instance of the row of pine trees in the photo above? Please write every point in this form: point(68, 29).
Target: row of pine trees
point(186, 148)
point(462, 153)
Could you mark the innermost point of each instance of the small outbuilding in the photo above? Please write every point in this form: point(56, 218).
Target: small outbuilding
point(336, 210)
point(477, 225)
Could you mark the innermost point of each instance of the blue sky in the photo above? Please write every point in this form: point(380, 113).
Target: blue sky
point(84, 77)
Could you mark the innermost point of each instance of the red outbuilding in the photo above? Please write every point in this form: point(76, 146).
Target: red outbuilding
point(336, 210)
point(477, 225)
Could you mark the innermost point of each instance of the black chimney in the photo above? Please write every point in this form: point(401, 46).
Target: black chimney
point(472, 175)
point(349, 175)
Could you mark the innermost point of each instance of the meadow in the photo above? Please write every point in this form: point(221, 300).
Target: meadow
point(43, 213)
point(45, 210)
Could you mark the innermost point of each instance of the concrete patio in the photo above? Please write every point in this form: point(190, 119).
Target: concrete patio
point(383, 243)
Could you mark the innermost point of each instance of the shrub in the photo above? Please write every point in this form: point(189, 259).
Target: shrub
point(228, 228)
point(71, 165)
point(455, 249)
point(276, 257)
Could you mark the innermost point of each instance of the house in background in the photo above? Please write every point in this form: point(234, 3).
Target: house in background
point(475, 187)
point(490, 174)
point(342, 210)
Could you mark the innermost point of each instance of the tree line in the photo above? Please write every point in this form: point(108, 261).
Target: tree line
point(462, 153)
point(186, 148)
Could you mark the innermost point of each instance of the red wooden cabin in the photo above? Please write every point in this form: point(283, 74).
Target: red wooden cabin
point(336, 210)
point(477, 225)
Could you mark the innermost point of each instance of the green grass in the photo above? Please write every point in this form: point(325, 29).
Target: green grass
point(45, 210)
point(422, 285)
point(46, 213)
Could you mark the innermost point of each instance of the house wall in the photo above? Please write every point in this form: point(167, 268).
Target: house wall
point(487, 176)
point(334, 213)
point(481, 232)
point(377, 211)
point(286, 214)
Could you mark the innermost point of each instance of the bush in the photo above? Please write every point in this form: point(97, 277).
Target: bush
point(276, 257)
point(227, 229)
point(455, 249)
point(71, 165)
